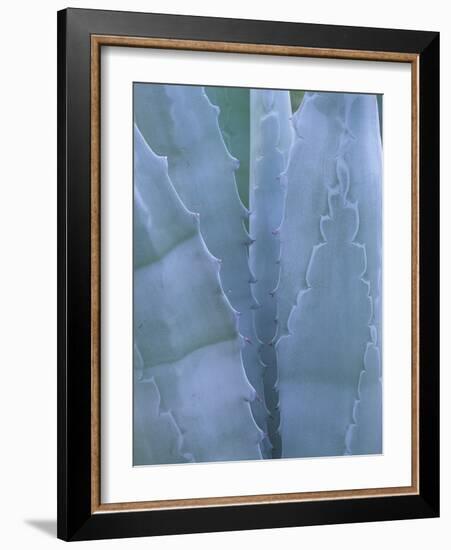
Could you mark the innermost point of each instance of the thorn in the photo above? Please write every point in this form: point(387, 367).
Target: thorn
point(276, 231)
point(373, 333)
point(247, 339)
point(258, 398)
point(272, 293)
point(235, 164)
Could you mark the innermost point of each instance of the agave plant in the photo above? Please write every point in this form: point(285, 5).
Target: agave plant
point(257, 286)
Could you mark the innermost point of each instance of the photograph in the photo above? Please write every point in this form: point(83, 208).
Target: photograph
point(257, 273)
point(248, 273)
point(225, 308)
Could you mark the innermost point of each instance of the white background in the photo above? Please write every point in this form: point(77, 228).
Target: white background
point(119, 481)
point(28, 275)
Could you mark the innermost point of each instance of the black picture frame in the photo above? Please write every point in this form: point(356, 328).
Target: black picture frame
point(76, 520)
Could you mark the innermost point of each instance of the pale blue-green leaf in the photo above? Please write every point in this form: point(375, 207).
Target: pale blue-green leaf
point(365, 434)
point(321, 360)
point(363, 170)
point(185, 333)
point(181, 123)
point(311, 171)
point(271, 139)
point(234, 121)
point(360, 167)
point(152, 425)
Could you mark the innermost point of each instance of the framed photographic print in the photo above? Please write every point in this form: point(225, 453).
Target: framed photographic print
point(248, 274)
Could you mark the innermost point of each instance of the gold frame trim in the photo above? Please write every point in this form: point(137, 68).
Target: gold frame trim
point(97, 41)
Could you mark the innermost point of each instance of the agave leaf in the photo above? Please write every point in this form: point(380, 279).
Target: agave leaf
point(321, 360)
point(362, 169)
point(151, 424)
point(311, 171)
point(185, 334)
point(360, 166)
point(234, 121)
point(365, 434)
point(271, 139)
point(181, 123)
